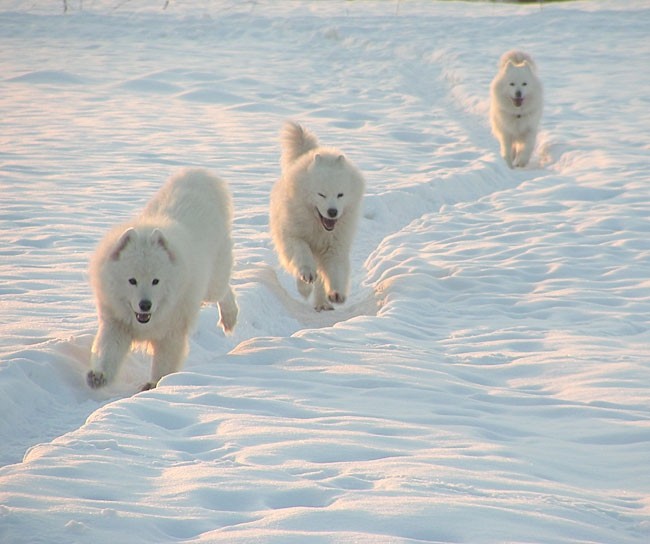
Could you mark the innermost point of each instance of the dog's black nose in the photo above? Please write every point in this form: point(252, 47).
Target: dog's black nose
point(518, 94)
point(332, 212)
point(145, 305)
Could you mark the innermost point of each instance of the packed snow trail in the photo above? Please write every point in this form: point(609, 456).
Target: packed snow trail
point(143, 148)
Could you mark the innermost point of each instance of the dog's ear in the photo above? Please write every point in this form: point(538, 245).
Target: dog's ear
point(158, 239)
point(318, 158)
point(128, 235)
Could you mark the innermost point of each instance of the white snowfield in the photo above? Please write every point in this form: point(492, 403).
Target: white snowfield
point(487, 380)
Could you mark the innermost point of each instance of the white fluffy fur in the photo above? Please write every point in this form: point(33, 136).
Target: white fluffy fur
point(314, 213)
point(176, 255)
point(516, 107)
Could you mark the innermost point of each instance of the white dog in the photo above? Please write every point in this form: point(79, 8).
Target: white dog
point(314, 214)
point(516, 107)
point(151, 275)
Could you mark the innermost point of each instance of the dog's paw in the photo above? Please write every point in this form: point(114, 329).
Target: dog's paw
point(323, 306)
point(304, 289)
point(95, 380)
point(228, 318)
point(336, 297)
point(307, 274)
point(227, 325)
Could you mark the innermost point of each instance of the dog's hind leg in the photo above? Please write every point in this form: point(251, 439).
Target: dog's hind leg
point(228, 311)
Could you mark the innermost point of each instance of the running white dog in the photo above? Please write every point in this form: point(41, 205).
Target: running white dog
point(516, 107)
point(151, 275)
point(314, 213)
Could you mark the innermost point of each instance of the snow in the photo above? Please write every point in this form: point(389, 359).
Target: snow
point(486, 381)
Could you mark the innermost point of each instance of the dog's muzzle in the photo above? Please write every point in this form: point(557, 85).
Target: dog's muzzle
point(144, 315)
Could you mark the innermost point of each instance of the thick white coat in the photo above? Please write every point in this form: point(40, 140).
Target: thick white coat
point(516, 105)
point(314, 214)
point(151, 275)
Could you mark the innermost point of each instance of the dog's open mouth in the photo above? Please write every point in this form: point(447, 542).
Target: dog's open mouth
point(518, 101)
point(328, 224)
point(143, 317)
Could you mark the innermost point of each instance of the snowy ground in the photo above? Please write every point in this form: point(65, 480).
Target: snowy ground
point(488, 379)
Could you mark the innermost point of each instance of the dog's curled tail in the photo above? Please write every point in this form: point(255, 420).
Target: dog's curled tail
point(516, 57)
point(296, 141)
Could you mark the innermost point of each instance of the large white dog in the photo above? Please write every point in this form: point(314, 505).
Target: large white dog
point(151, 275)
point(516, 107)
point(314, 213)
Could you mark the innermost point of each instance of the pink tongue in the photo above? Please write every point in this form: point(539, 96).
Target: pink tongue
point(329, 223)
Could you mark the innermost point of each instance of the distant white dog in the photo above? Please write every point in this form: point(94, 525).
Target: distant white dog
point(151, 275)
point(516, 107)
point(314, 213)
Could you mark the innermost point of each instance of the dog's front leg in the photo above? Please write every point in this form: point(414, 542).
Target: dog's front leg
point(320, 297)
point(507, 150)
point(301, 260)
point(336, 276)
point(168, 355)
point(525, 149)
point(110, 347)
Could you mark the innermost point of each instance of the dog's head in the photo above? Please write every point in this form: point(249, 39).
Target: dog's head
point(142, 274)
point(335, 187)
point(518, 82)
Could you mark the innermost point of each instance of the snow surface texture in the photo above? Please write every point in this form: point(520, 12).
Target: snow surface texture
point(487, 380)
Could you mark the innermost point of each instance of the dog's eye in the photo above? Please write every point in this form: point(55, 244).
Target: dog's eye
point(155, 281)
point(133, 281)
point(340, 195)
point(512, 84)
point(321, 195)
point(524, 84)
